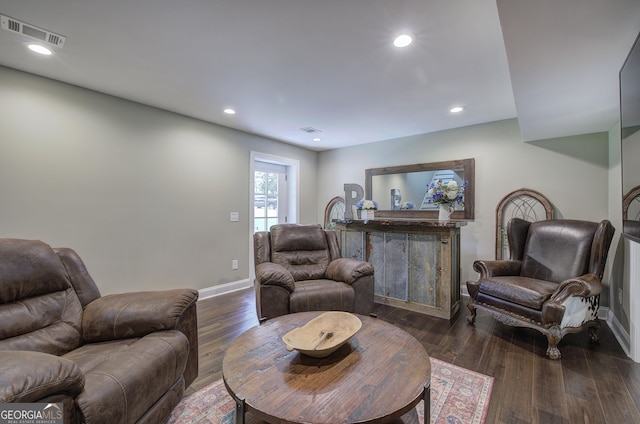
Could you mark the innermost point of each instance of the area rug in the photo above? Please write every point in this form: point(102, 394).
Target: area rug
point(458, 395)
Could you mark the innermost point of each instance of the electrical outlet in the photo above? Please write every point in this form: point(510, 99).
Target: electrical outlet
point(620, 296)
point(234, 264)
point(234, 217)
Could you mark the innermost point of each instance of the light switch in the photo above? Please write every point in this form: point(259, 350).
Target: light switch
point(234, 217)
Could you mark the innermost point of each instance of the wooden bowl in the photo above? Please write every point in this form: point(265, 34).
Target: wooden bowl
point(324, 334)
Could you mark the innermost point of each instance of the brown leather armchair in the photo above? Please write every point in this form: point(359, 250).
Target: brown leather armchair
point(299, 268)
point(551, 283)
point(122, 358)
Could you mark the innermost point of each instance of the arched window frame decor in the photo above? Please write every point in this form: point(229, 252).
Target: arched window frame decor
point(631, 224)
point(528, 199)
point(328, 212)
point(633, 194)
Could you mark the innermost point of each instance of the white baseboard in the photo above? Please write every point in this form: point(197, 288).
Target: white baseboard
point(618, 331)
point(463, 290)
point(603, 313)
point(224, 288)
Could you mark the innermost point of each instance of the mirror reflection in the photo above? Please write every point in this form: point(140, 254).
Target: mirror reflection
point(403, 191)
point(630, 140)
point(410, 190)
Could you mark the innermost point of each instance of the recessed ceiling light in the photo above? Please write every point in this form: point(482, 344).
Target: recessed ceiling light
point(317, 139)
point(230, 111)
point(39, 49)
point(403, 40)
point(457, 109)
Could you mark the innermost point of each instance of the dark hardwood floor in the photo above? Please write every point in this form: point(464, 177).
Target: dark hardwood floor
point(592, 383)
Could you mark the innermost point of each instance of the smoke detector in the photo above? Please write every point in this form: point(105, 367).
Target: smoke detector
point(31, 31)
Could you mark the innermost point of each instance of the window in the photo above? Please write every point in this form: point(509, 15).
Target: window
point(274, 182)
point(269, 200)
point(274, 190)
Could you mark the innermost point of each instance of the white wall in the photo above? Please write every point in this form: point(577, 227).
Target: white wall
point(143, 195)
point(572, 172)
point(616, 263)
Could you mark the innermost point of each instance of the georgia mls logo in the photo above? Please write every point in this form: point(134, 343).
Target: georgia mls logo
point(31, 413)
point(56, 408)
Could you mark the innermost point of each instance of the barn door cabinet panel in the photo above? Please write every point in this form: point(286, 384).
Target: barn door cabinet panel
point(416, 262)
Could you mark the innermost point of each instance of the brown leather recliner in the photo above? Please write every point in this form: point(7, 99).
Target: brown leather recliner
point(551, 283)
point(299, 268)
point(122, 358)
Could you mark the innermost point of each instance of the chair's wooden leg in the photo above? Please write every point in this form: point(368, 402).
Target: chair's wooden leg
point(472, 317)
point(593, 329)
point(553, 338)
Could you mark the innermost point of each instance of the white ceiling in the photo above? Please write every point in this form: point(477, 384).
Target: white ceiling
point(288, 64)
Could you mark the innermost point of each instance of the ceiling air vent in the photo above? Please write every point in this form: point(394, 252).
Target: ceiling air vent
point(31, 31)
point(310, 130)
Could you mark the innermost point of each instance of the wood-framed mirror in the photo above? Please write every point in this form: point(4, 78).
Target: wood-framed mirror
point(396, 188)
point(630, 139)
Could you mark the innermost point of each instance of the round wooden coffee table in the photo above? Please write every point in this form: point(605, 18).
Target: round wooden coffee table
point(380, 374)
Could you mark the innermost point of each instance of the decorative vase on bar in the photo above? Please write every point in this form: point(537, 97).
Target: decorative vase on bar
point(367, 214)
point(444, 211)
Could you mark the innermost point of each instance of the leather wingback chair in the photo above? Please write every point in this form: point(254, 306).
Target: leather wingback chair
point(299, 268)
point(120, 358)
point(551, 283)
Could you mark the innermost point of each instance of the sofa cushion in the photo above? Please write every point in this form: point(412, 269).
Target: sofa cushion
point(524, 291)
point(27, 376)
point(38, 307)
point(348, 270)
point(322, 295)
point(134, 314)
point(29, 268)
point(300, 249)
point(557, 250)
point(79, 277)
point(275, 275)
point(123, 378)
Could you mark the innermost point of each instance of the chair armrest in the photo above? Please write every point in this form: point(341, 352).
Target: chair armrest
point(348, 270)
point(497, 268)
point(584, 286)
point(272, 274)
point(27, 376)
point(125, 315)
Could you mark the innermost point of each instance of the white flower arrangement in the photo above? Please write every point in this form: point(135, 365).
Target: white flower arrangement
point(447, 194)
point(407, 205)
point(367, 204)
